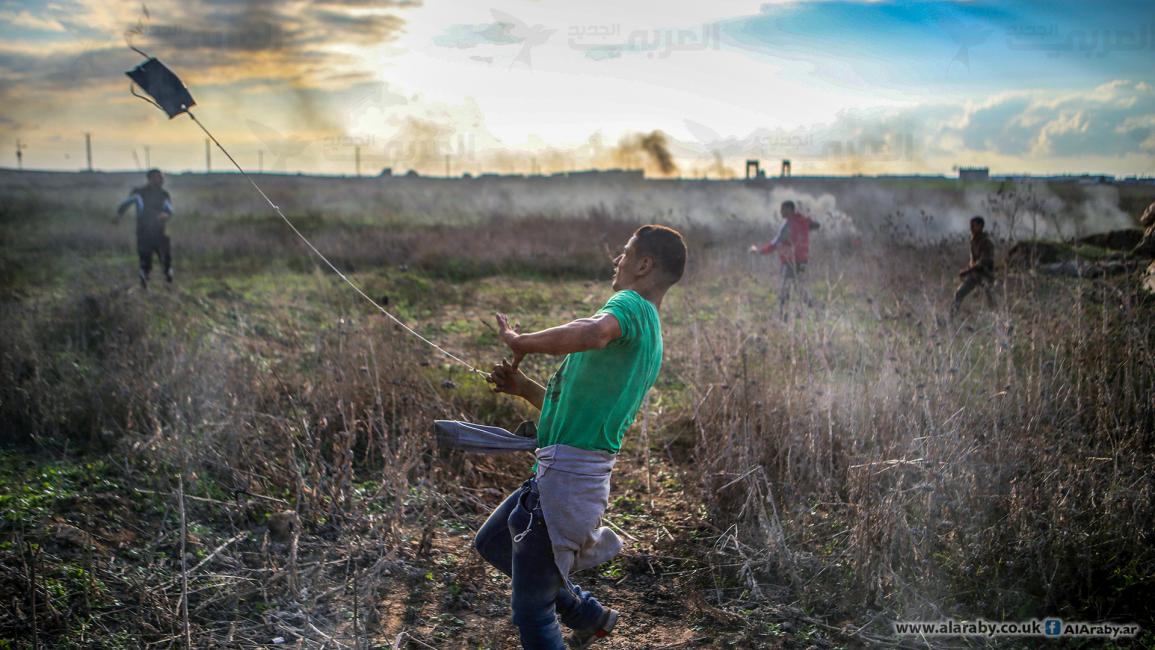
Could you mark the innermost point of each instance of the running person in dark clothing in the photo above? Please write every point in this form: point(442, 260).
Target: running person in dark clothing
point(793, 245)
point(153, 210)
point(981, 271)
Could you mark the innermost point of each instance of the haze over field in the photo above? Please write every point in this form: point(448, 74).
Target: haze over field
point(852, 207)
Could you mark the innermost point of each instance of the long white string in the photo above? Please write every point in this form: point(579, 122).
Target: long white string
point(324, 259)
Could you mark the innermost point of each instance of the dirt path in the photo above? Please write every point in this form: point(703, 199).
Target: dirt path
point(107, 543)
point(657, 582)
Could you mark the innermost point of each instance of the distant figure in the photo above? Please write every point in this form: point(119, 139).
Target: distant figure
point(153, 210)
point(793, 245)
point(981, 271)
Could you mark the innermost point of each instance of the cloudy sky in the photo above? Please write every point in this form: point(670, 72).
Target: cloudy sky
point(838, 87)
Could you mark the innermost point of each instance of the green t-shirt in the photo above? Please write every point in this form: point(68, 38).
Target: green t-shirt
point(593, 397)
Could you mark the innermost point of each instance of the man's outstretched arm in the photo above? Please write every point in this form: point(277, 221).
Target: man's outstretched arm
point(583, 334)
point(133, 199)
point(768, 248)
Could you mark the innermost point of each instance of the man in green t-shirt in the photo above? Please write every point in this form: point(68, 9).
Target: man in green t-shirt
point(550, 525)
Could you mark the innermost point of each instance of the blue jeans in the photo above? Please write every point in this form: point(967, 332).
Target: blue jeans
point(516, 542)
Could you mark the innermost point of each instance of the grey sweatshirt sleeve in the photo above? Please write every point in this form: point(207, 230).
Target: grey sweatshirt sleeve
point(132, 199)
point(781, 233)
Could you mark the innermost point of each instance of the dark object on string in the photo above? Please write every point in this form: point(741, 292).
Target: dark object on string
point(169, 94)
point(165, 88)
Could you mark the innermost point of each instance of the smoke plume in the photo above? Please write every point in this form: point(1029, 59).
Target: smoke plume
point(648, 151)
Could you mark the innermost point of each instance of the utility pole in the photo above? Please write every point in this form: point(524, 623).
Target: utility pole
point(260, 161)
point(357, 159)
point(20, 146)
point(88, 149)
point(208, 157)
point(446, 165)
point(147, 157)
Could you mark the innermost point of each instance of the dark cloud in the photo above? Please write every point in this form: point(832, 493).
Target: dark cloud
point(360, 28)
point(43, 72)
point(245, 37)
point(372, 4)
point(229, 46)
point(221, 41)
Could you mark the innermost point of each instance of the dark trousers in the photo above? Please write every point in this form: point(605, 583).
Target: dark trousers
point(516, 542)
point(792, 273)
point(151, 239)
point(972, 281)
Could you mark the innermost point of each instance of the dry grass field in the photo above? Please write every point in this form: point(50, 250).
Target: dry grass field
point(258, 438)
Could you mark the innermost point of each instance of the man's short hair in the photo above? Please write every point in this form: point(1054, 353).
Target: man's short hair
point(666, 246)
point(979, 220)
point(152, 172)
point(788, 203)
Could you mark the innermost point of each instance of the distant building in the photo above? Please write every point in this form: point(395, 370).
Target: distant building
point(969, 174)
point(1083, 179)
point(754, 169)
point(1093, 179)
point(386, 172)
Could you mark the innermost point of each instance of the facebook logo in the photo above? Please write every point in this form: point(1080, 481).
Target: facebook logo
point(1053, 627)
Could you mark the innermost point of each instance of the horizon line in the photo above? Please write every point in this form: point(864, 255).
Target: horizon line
point(593, 171)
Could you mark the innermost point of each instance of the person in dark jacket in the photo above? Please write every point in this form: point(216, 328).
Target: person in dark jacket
point(981, 271)
point(153, 210)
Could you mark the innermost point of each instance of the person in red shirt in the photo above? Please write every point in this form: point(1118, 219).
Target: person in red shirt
point(793, 245)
